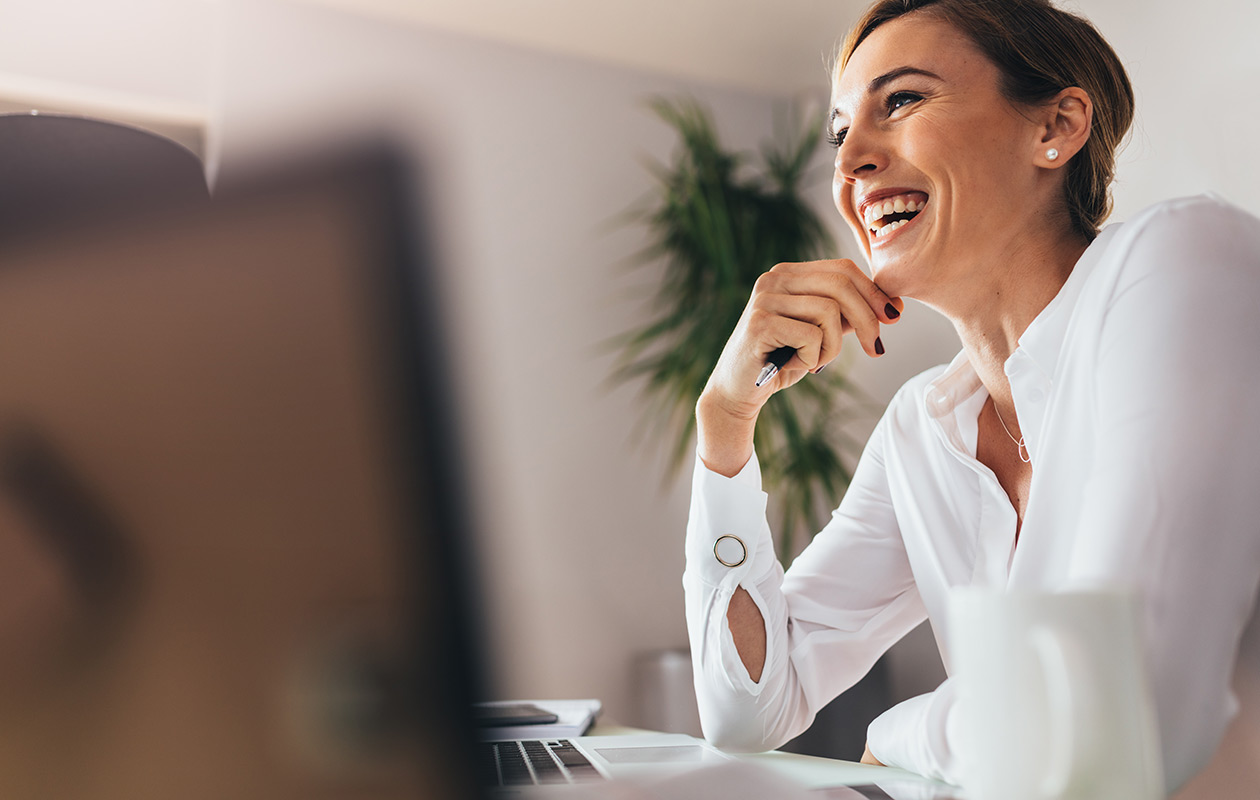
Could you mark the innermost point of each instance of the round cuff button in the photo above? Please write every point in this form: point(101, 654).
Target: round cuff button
point(730, 551)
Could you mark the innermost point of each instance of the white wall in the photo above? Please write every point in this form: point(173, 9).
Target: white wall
point(1195, 68)
point(155, 50)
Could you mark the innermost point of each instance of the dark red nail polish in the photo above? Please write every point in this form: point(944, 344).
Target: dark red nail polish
point(879, 347)
point(891, 311)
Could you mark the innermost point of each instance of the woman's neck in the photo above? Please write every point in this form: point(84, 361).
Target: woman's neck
point(1007, 294)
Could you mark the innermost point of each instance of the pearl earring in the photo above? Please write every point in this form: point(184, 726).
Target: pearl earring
point(1052, 154)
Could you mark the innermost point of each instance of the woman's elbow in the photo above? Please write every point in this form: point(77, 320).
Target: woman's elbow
point(731, 725)
point(742, 728)
point(733, 738)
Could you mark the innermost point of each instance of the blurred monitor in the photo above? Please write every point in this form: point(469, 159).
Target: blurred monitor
point(229, 506)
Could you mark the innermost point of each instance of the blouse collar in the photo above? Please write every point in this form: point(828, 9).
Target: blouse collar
point(1041, 341)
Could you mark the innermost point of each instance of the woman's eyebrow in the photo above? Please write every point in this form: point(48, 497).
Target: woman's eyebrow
point(893, 74)
point(878, 83)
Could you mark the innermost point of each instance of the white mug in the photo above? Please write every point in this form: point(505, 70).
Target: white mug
point(1053, 698)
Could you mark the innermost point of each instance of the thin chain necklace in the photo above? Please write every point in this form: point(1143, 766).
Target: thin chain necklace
point(1023, 448)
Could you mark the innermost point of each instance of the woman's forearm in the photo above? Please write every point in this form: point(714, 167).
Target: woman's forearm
point(724, 439)
point(748, 629)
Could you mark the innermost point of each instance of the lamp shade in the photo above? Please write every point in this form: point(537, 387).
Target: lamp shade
point(59, 169)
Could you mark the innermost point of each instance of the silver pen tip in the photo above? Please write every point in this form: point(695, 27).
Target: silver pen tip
point(767, 372)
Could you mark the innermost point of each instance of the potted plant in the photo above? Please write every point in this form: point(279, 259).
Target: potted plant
point(717, 220)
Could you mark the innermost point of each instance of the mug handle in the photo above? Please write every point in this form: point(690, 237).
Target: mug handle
point(1068, 694)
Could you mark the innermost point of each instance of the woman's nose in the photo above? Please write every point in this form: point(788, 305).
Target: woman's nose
point(861, 155)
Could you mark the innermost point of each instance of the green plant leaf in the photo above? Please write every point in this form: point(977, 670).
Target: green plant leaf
point(716, 222)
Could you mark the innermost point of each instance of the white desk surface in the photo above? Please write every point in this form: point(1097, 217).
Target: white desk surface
point(812, 771)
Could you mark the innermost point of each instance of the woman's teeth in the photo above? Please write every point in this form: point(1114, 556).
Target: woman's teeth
point(884, 230)
point(876, 214)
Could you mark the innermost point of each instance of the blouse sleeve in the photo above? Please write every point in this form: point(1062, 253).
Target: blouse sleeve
point(846, 599)
point(1173, 509)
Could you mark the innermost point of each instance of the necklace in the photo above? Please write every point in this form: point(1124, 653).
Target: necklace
point(1023, 448)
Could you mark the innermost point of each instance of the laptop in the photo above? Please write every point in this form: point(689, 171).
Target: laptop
point(232, 511)
point(518, 766)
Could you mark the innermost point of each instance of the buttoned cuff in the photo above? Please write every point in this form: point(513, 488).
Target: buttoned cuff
point(728, 524)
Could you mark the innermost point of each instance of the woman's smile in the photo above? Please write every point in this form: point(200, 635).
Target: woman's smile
point(886, 216)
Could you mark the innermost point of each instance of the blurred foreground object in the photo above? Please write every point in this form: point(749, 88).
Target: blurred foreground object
point(238, 497)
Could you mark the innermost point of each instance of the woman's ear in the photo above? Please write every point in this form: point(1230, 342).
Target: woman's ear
point(1066, 126)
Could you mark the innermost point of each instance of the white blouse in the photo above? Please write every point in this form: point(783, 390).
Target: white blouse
point(1138, 395)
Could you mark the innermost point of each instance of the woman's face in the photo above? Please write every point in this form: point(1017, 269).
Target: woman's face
point(934, 170)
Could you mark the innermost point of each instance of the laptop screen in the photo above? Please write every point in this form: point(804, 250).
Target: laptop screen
point(229, 502)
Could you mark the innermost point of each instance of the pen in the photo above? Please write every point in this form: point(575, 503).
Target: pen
point(774, 363)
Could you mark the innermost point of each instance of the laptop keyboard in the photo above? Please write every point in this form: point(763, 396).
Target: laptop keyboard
point(534, 761)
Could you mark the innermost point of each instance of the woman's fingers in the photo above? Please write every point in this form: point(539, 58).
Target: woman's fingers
point(805, 336)
point(886, 308)
point(862, 319)
point(834, 295)
point(823, 313)
point(808, 307)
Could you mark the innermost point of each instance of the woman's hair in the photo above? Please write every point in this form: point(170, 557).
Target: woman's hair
point(1039, 51)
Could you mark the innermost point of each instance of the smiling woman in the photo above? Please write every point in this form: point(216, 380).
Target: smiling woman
point(1037, 55)
point(1085, 436)
point(989, 77)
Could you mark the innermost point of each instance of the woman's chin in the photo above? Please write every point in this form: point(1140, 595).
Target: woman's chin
point(891, 277)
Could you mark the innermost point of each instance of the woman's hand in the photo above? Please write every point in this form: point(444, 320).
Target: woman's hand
point(867, 758)
point(809, 306)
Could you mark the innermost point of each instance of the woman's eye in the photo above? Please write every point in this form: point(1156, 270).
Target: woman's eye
point(898, 99)
point(895, 101)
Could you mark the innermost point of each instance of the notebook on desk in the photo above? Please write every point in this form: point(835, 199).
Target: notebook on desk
point(565, 719)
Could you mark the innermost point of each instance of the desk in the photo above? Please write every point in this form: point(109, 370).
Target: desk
point(811, 771)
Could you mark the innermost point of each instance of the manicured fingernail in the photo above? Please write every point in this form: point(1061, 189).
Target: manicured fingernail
point(821, 367)
point(891, 311)
point(879, 347)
